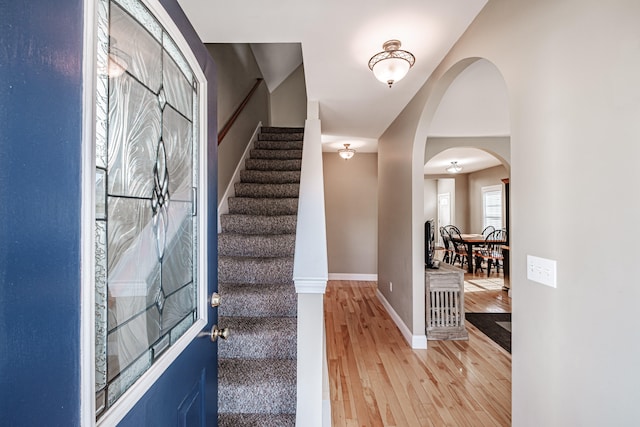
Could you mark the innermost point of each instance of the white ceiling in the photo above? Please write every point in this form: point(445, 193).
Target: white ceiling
point(338, 38)
point(470, 159)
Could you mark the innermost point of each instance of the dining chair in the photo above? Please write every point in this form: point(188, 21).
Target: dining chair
point(450, 227)
point(485, 233)
point(488, 230)
point(446, 243)
point(491, 252)
point(459, 247)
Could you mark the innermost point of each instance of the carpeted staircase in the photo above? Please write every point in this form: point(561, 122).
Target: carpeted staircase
point(257, 363)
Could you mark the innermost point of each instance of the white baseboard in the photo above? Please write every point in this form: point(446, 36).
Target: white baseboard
point(349, 276)
point(415, 341)
point(326, 413)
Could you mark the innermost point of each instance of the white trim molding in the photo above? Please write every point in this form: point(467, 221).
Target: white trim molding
point(311, 285)
point(416, 341)
point(351, 276)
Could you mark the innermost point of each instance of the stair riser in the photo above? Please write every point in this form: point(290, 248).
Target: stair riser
point(252, 206)
point(276, 129)
point(253, 224)
point(276, 154)
point(259, 338)
point(256, 246)
point(273, 165)
point(256, 386)
point(269, 177)
point(243, 189)
point(281, 137)
point(264, 300)
point(255, 270)
point(234, 399)
point(278, 145)
point(255, 420)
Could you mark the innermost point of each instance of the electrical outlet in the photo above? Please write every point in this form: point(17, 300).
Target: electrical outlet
point(541, 270)
point(390, 286)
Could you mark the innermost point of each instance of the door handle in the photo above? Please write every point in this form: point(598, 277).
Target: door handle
point(215, 299)
point(217, 332)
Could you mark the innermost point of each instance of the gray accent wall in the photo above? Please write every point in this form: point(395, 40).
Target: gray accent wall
point(571, 71)
point(351, 205)
point(237, 72)
point(289, 101)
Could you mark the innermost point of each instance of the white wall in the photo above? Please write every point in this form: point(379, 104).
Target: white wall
point(571, 71)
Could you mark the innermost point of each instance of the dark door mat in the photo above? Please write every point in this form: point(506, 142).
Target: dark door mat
point(486, 322)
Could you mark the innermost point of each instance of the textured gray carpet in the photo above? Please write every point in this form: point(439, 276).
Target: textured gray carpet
point(257, 363)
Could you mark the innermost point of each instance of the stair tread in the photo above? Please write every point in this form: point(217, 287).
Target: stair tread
point(256, 245)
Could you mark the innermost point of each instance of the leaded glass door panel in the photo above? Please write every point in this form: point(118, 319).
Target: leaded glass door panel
point(150, 277)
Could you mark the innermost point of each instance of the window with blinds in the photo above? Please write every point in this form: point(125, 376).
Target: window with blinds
point(492, 206)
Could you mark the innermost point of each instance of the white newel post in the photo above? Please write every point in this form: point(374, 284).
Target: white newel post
point(310, 274)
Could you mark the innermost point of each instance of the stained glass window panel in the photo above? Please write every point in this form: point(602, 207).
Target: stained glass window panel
point(146, 234)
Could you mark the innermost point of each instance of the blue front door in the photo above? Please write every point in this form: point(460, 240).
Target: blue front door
point(42, 112)
point(153, 223)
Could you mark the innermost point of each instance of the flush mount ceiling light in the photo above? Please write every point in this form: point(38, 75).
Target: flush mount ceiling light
point(392, 64)
point(454, 168)
point(346, 152)
point(117, 61)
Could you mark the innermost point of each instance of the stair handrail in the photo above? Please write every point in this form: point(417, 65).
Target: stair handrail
point(227, 126)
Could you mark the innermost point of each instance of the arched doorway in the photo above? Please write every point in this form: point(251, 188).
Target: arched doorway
point(468, 108)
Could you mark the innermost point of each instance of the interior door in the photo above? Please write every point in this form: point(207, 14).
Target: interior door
point(444, 212)
point(155, 237)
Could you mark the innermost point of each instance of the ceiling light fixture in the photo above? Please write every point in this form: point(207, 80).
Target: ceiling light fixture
point(392, 64)
point(454, 168)
point(346, 152)
point(117, 61)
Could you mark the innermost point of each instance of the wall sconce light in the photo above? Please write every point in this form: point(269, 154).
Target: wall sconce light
point(346, 152)
point(454, 168)
point(392, 64)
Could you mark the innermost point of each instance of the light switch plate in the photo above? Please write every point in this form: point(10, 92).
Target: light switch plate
point(541, 270)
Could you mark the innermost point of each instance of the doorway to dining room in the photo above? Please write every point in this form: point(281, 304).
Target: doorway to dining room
point(467, 150)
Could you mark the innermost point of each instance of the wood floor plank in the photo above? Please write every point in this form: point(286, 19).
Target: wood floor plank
point(376, 379)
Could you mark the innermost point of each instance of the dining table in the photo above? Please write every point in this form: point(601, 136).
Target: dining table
point(471, 240)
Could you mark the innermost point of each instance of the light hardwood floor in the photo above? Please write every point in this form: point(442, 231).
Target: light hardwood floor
point(376, 379)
